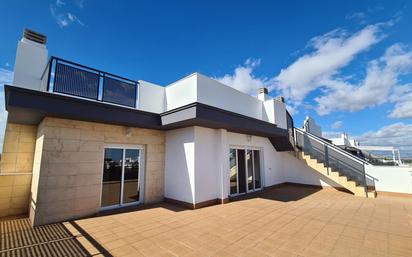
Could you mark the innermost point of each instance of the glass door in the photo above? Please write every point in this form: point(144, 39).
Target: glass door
point(131, 187)
point(244, 171)
point(121, 177)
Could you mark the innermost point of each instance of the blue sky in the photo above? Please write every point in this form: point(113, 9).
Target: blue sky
point(348, 64)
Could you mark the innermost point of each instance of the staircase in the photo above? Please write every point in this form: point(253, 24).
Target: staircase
point(335, 163)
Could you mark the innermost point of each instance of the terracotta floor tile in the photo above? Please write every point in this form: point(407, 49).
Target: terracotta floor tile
point(286, 221)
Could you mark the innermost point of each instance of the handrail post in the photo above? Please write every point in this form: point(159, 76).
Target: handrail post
point(100, 88)
point(49, 65)
point(326, 158)
point(366, 182)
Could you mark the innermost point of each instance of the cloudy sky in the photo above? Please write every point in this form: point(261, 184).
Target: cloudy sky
point(348, 65)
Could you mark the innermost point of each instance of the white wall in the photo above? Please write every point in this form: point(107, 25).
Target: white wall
point(272, 160)
point(391, 178)
point(214, 93)
point(180, 164)
point(31, 61)
point(151, 97)
point(296, 171)
point(280, 114)
point(199, 88)
point(181, 92)
point(206, 164)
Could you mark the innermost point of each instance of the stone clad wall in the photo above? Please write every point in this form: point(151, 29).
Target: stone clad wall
point(68, 166)
point(16, 169)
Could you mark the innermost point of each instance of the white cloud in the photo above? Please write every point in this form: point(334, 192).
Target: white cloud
point(332, 52)
point(60, 3)
point(331, 134)
point(6, 77)
point(381, 78)
point(337, 124)
point(398, 135)
point(402, 98)
point(320, 70)
point(243, 80)
point(362, 17)
point(79, 3)
point(357, 17)
point(63, 17)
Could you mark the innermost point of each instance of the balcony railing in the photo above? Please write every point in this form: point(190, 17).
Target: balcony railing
point(69, 78)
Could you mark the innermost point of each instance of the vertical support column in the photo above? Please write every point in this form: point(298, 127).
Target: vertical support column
point(393, 156)
point(327, 159)
point(222, 151)
point(366, 182)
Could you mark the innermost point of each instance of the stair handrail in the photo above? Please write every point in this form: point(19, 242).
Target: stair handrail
point(338, 149)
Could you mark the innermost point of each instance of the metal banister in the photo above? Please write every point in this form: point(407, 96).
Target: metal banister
point(332, 157)
point(314, 137)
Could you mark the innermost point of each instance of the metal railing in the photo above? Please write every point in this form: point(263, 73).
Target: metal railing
point(290, 126)
point(333, 157)
point(69, 78)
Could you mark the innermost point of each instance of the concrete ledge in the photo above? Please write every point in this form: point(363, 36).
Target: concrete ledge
point(394, 194)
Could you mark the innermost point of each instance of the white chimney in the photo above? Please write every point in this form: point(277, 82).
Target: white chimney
point(263, 94)
point(31, 60)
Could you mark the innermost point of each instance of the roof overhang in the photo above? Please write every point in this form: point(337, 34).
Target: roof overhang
point(198, 114)
point(27, 106)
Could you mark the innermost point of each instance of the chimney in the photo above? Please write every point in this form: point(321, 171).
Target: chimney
point(263, 94)
point(31, 60)
point(280, 99)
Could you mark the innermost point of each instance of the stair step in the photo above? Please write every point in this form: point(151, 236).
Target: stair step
point(372, 194)
point(347, 182)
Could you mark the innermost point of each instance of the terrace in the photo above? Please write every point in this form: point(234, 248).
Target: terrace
point(285, 221)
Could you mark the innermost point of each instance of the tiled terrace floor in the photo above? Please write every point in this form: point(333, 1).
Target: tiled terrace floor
point(287, 221)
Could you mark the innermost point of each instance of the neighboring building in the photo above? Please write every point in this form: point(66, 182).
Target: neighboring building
point(374, 154)
point(80, 140)
point(310, 126)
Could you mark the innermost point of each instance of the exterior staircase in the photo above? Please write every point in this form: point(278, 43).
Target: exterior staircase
point(335, 163)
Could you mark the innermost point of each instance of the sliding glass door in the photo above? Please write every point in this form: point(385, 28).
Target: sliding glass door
point(121, 177)
point(245, 166)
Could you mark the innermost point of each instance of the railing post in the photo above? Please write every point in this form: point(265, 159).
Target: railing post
point(50, 66)
point(136, 94)
point(326, 158)
point(366, 182)
point(100, 89)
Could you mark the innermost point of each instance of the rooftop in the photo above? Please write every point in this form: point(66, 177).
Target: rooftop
point(286, 221)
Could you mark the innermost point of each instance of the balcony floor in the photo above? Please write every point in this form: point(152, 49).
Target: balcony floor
point(286, 221)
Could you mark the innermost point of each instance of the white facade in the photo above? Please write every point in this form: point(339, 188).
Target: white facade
point(197, 164)
point(197, 158)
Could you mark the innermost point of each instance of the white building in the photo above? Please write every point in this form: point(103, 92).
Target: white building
point(80, 140)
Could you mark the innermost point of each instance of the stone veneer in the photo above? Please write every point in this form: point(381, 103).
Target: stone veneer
point(68, 166)
point(16, 169)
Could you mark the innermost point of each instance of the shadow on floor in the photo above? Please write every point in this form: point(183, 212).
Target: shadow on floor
point(163, 205)
point(284, 193)
point(19, 238)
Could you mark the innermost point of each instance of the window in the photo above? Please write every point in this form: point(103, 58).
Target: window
point(122, 177)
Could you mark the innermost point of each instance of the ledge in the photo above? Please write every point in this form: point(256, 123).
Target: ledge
point(26, 106)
